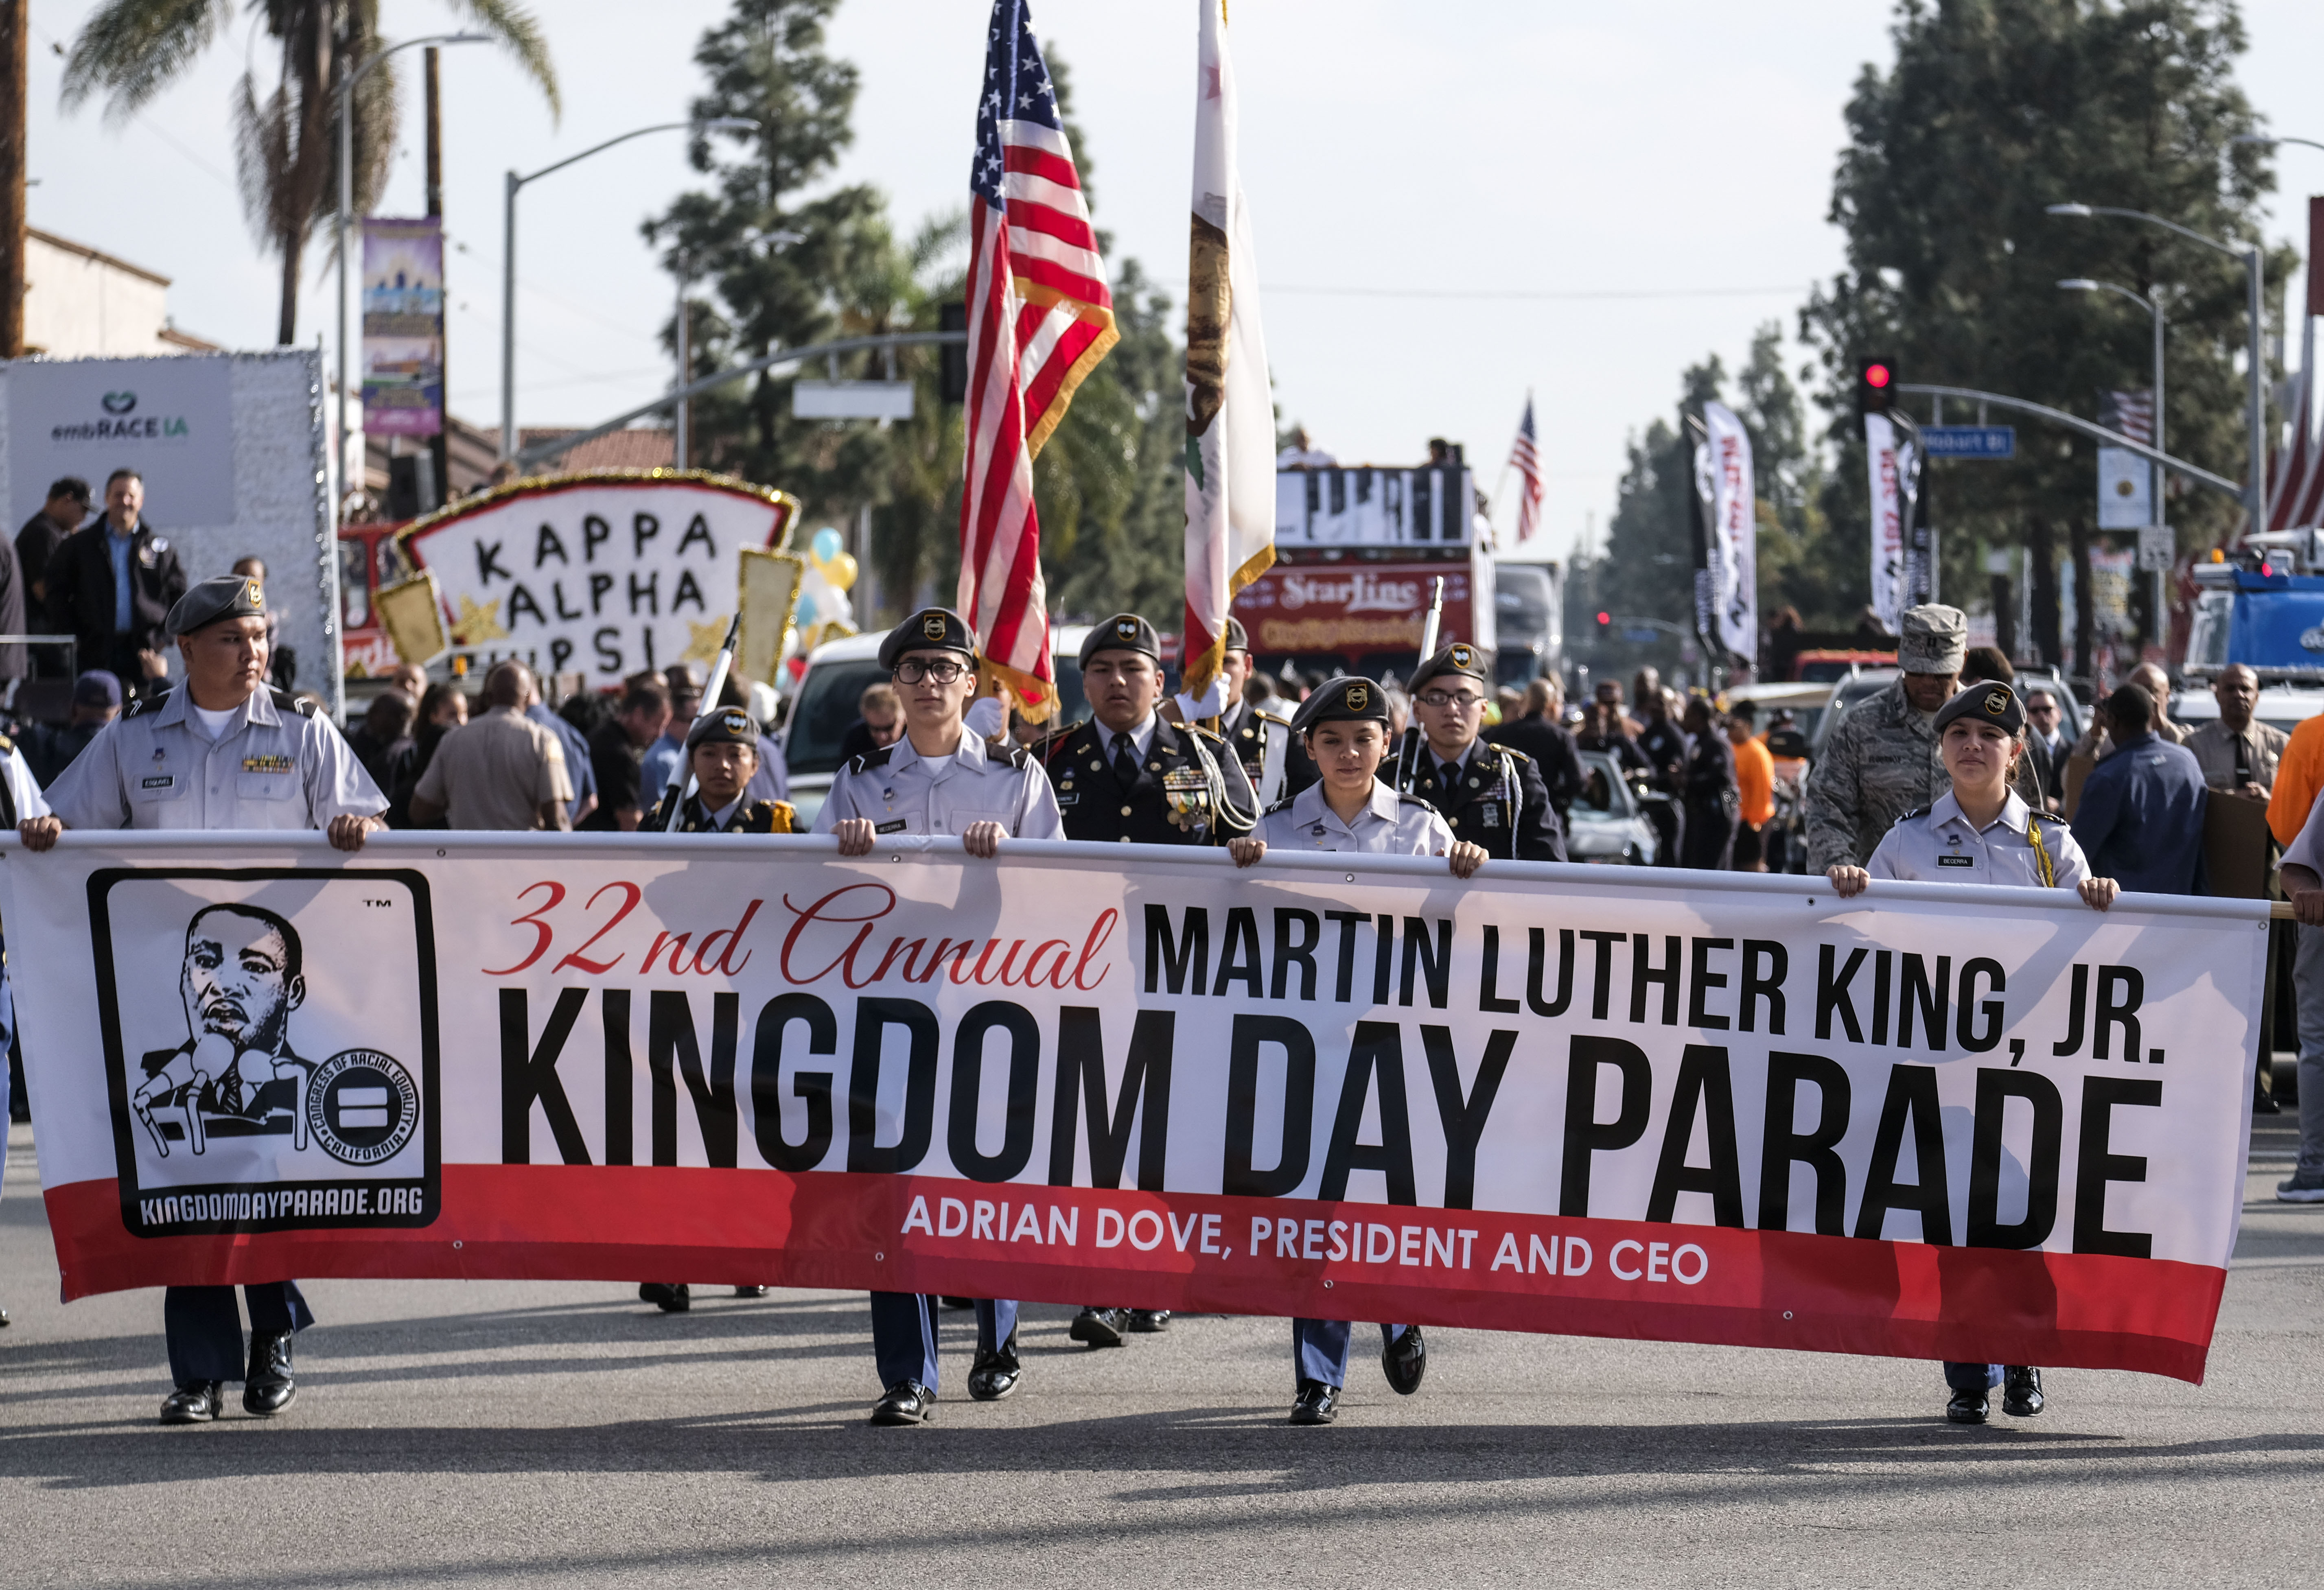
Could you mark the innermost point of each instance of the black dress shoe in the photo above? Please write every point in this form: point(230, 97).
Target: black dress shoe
point(1405, 1361)
point(268, 1389)
point(753, 1291)
point(671, 1298)
point(1966, 1408)
point(996, 1374)
point(2021, 1391)
point(1099, 1327)
point(4, 1320)
point(1317, 1404)
point(1149, 1321)
point(907, 1401)
point(193, 1402)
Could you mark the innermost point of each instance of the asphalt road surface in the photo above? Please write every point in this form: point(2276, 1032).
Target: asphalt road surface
point(530, 1433)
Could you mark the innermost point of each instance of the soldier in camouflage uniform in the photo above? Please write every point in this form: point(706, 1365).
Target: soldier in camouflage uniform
point(1881, 760)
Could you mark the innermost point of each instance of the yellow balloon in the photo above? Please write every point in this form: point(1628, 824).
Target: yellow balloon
point(841, 571)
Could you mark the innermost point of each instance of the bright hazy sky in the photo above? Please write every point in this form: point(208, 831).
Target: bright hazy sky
point(1656, 177)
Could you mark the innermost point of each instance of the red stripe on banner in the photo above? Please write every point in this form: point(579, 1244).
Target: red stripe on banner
point(1213, 1255)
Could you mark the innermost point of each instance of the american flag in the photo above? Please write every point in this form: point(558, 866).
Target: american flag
point(1526, 462)
point(1039, 318)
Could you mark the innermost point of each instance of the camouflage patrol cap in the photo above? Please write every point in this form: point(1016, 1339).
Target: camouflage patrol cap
point(221, 596)
point(1125, 632)
point(726, 726)
point(1238, 637)
point(1342, 701)
point(1460, 659)
point(1931, 639)
point(932, 629)
point(1987, 702)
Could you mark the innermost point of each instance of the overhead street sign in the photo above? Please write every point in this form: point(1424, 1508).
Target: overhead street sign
point(1970, 441)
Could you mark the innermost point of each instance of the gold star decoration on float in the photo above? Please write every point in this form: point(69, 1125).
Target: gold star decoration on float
point(706, 638)
point(476, 623)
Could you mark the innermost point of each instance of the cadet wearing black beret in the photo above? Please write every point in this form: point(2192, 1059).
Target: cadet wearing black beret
point(932, 629)
point(221, 596)
point(1489, 794)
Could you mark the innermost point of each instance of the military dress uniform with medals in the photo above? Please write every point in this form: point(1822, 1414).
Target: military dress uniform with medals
point(1389, 824)
point(1184, 787)
point(273, 765)
point(899, 791)
point(1159, 784)
point(2021, 849)
point(1491, 795)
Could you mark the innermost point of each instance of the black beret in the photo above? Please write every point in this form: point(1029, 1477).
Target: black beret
point(1238, 637)
point(1124, 632)
point(726, 726)
point(1990, 702)
point(1460, 657)
point(932, 629)
point(1342, 701)
point(221, 596)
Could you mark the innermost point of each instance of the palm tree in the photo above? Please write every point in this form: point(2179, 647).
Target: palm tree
point(286, 140)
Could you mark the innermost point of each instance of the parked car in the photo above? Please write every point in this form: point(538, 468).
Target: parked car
point(1605, 825)
point(823, 708)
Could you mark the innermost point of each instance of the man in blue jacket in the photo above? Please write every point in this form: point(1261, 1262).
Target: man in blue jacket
point(2141, 820)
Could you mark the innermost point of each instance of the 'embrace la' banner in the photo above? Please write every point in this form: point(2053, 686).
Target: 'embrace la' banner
point(1932, 1121)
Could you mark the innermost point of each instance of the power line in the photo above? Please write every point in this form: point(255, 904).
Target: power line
point(1556, 296)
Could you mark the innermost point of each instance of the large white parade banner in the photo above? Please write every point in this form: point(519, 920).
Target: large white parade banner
point(1933, 1121)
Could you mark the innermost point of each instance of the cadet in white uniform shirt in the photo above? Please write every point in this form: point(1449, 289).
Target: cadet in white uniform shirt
point(937, 779)
point(22, 793)
point(1981, 831)
point(220, 751)
point(1344, 726)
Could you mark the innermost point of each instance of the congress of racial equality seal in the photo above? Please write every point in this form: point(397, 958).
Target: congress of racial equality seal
point(362, 1107)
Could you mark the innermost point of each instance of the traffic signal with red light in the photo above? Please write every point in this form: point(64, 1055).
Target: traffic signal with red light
point(1605, 621)
point(1876, 385)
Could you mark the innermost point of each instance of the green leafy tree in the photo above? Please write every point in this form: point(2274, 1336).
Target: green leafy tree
point(1993, 110)
point(786, 265)
point(286, 136)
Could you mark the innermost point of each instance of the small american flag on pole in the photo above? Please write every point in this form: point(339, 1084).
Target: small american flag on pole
point(1526, 462)
point(1039, 318)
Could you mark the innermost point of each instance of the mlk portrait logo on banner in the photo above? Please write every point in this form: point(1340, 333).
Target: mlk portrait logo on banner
point(271, 1048)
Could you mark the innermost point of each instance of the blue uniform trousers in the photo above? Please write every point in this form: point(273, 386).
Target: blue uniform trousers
point(1972, 1377)
point(1319, 1348)
point(904, 1333)
point(205, 1328)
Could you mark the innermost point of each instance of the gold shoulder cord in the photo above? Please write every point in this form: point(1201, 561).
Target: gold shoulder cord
point(2042, 867)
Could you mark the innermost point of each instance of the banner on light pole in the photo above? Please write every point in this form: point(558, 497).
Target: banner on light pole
point(1733, 541)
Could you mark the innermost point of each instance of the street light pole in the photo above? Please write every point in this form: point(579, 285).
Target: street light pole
point(511, 185)
point(2154, 305)
point(2255, 485)
point(343, 99)
point(677, 409)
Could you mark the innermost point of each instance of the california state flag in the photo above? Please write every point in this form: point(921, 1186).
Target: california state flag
point(1230, 412)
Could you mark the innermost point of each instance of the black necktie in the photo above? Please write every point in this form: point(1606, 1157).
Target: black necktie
point(1125, 761)
point(1451, 775)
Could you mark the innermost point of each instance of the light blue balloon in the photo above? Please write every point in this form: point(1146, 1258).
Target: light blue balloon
point(805, 611)
point(828, 544)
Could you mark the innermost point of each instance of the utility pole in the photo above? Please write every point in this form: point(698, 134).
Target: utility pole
point(437, 444)
point(15, 24)
point(678, 448)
